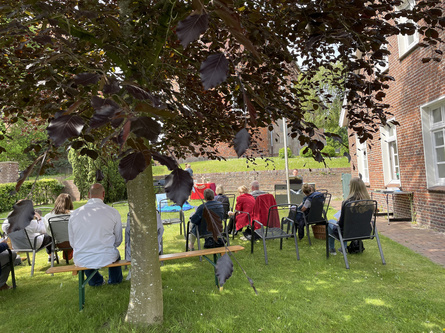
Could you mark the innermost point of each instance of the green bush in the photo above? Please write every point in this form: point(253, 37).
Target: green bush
point(329, 150)
point(114, 184)
point(306, 154)
point(45, 191)
point(281, 153)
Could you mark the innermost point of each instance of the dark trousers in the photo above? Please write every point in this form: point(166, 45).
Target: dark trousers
point(46, 241)
point(299, 223)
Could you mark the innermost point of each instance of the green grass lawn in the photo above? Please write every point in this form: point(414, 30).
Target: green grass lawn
point(310, 295)
point(241, 164)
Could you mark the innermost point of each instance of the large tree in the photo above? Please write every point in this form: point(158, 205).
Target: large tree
point(156, 80)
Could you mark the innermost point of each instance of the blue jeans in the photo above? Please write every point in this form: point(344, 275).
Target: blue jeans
point(114, 276)
point(331, 229)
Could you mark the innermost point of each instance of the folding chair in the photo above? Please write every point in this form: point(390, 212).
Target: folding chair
point(271, 228)
point(173, 220)
point(359, 223)
point(59, 232)
point(21, 243)
point(11, 265)
point(317, 212)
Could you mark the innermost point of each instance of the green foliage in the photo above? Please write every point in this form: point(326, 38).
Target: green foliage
point(84, 172)
point(114, 184)
point(306, 153)
point(281, 153)
point(45, 191)
point(329, 150)
point(15, 138)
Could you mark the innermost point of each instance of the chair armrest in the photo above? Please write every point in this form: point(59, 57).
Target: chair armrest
point(333, 223)
point(262, 225)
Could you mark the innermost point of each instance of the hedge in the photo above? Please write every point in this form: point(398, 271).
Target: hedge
point(45, 192)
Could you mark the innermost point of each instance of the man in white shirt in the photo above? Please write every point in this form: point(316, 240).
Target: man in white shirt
point(95, 232)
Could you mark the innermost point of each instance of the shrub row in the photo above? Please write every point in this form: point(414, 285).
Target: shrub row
point(45, 192)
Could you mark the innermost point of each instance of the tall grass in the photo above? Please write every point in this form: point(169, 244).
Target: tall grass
point(314, 294)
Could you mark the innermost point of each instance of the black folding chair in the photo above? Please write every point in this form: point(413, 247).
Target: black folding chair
point(59, 233)
point(359, 223)
point(317, 212)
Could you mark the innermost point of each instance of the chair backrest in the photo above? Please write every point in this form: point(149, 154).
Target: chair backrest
point(20, 241)
point(359, 219)
point(317, 211)
point(232, 198)
point(262, 213)
point(59, 228)
point(161, 197)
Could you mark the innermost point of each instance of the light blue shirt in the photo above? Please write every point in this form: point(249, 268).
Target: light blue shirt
point(95, 232)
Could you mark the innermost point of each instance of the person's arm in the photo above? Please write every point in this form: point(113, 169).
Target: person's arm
point(197, 216)
point(3, 246)
point(117, 229)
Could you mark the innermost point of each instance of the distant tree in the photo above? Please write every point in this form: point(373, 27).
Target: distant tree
point(156, 80)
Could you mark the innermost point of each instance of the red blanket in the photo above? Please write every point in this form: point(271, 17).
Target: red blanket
point(261, 211)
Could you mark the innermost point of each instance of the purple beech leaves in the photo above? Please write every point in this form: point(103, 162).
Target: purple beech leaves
point(178, 186)
point(105, 110)
point(191, 28)
point(86, 79)
point(165, 160)
point(224, 269)
point(214, 70)
point(146, 127)
point(241, 142)
point(131, 165)
point(65, 127)
point(21, 216)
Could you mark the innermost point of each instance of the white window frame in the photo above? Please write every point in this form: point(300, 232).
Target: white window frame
point(362, 159)
point(429, 147)
point(385, 60)
point(391, 169)
point(405, 45)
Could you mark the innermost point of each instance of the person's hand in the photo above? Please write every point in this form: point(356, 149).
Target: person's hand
point(230, 213)
point(37, 216)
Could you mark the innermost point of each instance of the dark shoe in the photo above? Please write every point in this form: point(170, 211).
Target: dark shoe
point(332, 252)
point(5, 287)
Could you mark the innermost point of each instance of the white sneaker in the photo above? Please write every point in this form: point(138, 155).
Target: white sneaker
point(332, 252)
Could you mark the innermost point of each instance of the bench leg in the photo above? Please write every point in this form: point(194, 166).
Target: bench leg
point(82, 284)
point(213, 262)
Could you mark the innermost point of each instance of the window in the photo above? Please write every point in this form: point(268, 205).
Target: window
point(433, 131)
point(362, 159)
point(407, 42)
point(390, 155)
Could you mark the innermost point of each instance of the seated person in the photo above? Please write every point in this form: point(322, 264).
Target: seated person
point(62, 206)
point(303, 208)
point(5, 267)
point(357, 191)
point(221, 197)
point(35, 229)
point(244, 203)
point(295, 178)
point(256, 189)
point(95, 232)
point(196, 218)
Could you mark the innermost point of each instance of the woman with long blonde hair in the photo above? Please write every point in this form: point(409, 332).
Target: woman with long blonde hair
point(357, 191)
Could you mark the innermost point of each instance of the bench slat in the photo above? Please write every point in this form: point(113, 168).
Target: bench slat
point(163, 257)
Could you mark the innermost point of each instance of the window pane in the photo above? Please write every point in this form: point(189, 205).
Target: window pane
point(440, 154)
point(437, 115)
point(438, 138)
point(441, 169)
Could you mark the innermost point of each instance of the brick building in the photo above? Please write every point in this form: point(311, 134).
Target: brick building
point(411, 156)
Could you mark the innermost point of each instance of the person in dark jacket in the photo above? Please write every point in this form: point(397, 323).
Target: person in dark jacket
point(197, 220)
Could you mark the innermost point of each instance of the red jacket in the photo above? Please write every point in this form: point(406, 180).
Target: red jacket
point(244, 203)
point(261, 211)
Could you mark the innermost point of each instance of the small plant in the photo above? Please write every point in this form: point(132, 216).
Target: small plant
point(329, 150)
point(281, 153)
point(306, 152)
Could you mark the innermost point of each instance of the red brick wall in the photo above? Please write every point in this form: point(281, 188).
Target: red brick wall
point(323, 178)
point(415, 84)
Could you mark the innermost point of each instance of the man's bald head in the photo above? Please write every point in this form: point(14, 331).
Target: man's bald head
point(96, 191)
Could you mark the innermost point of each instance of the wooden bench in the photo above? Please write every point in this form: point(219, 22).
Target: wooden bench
point(216, 252)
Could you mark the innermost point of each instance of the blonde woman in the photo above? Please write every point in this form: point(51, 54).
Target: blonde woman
point(62, 206)
point(357, 191)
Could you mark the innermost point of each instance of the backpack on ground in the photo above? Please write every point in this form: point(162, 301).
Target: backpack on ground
point(356, 246)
